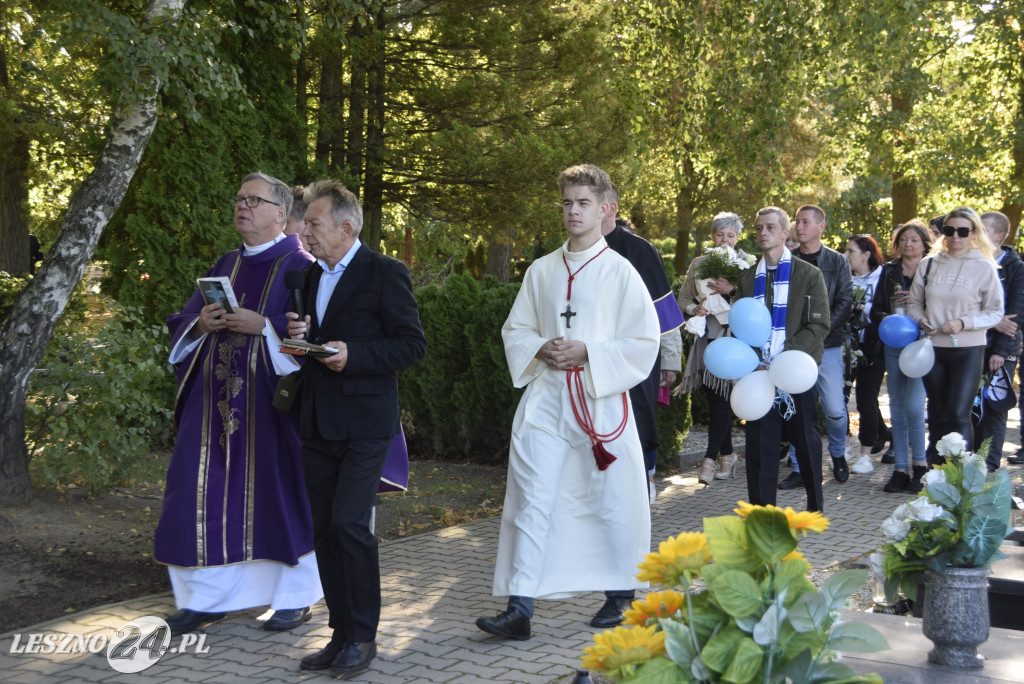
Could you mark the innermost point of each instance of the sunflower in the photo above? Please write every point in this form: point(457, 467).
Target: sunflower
point(623, 646)
point(685, 555)
point(657, 604)
point(803, 522)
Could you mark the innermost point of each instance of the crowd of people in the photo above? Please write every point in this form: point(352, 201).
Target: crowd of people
point(271, 487)
point(953, 277)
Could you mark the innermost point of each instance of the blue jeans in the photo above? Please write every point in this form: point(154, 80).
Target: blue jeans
point(906, 411)
point(833, 404)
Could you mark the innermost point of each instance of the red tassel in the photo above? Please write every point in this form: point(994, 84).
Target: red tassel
point(603, 458)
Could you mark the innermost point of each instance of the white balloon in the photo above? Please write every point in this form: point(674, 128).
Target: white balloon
point(917, 358)
point(793, 371)
point(752, 396)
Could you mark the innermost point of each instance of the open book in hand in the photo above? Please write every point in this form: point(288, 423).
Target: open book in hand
point(303, 348)
point(218, 289)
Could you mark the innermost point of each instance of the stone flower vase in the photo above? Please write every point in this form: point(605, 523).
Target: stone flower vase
point(955, 616)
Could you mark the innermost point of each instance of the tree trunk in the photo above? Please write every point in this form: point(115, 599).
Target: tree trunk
point(28, 326)
point(499, 259)
point(904, 182)
point(373, 180)
point(684, 221)
point(357, 109)
point(330, 133)
point(14, 251)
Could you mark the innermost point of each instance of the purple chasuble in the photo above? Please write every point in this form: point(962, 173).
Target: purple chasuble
point(235, 489)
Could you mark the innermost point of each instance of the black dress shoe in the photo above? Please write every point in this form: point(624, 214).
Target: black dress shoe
point(322, 659)
point(840, 469)
point(889, 457)
point(610, 614)
point(880, 441)
point(511, 624)
point(1018, 459)
point(283, 620)
point(185, 620)
point(354, 659)
point(792, 481)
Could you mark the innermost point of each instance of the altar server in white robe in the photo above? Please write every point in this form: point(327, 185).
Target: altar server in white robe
point(581, 333)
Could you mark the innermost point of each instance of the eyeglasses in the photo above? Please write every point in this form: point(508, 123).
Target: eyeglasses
point(962, 231)
point(252, 202)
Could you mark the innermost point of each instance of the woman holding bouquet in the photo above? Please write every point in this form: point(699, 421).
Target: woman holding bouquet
point(956, 296)
point(700, 286)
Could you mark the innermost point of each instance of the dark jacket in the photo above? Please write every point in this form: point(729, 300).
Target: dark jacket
point(892, 275)
point(374, 312)
point(839, 283)
point(1011, 276)
point(807, 313)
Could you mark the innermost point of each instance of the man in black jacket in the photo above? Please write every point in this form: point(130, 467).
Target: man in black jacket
point(360, 303)
point(809, 226)
point(1003, 345)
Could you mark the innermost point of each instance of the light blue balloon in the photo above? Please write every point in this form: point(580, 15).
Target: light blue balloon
point(750, 321)
point(898, 330)
point(729, 358)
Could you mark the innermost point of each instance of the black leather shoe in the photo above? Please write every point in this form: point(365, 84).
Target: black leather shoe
point(185, 620)
point(610, 614)
point(322, 659)
point(1018, 459)
point(283, 620)
point(511, 624)
point(354, 659)
point(840, 469)
point(883, 437)
point(889, 457)
point(792, 481)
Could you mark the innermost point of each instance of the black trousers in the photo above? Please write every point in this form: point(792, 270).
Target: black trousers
point(951, 385)
point(867, 385)
point(342, 478)
point(763, 438)
point(719, 424)
point(993, 423)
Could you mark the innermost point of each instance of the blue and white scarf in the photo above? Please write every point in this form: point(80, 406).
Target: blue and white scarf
point(780, 295)
point(777, 340)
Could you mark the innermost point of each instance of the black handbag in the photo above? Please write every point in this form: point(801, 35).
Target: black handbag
point(286, 394)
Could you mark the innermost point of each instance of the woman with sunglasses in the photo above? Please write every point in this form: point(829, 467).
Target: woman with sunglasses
point(910, 242)
point(955, 297)
point(866, 267)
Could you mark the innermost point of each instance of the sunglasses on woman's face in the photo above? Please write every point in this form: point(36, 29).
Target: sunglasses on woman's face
point(962, 231)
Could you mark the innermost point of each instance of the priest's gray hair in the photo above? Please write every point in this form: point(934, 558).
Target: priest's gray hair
point(725, 220)
point(589, 175)
point(279, 192)
point(344, 204)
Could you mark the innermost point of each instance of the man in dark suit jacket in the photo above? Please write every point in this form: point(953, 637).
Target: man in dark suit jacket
point(360, 303)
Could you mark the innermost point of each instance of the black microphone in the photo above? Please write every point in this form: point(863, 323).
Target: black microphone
point(294, 281)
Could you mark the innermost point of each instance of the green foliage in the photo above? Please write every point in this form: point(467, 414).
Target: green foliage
point(458, 403)
point(10, 287)
point(673, 425)
point(758, 619)
point(98, 404)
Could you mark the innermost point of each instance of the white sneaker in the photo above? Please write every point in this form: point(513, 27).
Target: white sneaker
point(651, 489)
point(862, 466)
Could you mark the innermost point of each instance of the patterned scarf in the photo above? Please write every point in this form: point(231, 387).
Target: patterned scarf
point(780, 295)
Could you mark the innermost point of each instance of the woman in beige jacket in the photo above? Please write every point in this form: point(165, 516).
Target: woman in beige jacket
point(955, 297)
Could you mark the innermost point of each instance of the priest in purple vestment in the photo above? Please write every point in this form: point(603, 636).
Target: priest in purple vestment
point(236, 531)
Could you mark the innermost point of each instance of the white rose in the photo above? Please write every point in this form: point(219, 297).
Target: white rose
point(751, 259)
point(900, 513)
point(923, 510)
point(952, 444)
point(976, 460)
point(741, 264)
point(895, 530)
point(933, 477)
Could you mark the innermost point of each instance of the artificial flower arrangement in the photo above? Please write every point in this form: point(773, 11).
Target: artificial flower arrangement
point(756, 619)
point(959, 520)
